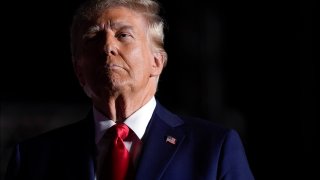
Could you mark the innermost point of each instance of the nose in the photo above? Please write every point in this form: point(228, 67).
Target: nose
point(110, 46)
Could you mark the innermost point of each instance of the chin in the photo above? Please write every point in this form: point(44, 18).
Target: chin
point(116, 86)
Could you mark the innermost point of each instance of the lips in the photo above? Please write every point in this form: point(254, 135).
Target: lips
point(111, 66)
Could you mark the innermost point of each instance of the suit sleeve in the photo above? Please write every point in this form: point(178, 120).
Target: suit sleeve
point(13, 165)
point(233, 161)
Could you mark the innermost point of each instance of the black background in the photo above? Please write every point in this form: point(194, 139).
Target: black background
point(248, 65)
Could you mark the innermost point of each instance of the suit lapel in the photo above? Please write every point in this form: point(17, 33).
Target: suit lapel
point(161, 141)
point(82, 150)
point(91, 147)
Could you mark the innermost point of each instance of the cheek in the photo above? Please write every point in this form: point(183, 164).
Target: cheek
point(90, 70)
point(139, 58)
point(91, 55)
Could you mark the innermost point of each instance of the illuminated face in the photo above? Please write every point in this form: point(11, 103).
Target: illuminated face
point(117, 55)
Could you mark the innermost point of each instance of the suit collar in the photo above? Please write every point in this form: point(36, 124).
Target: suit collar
point(157, 153)
point(167, 117)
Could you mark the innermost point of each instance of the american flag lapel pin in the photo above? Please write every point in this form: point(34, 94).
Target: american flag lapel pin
point(171, 140)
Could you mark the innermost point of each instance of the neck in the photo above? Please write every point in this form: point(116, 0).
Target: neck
point(119, 107)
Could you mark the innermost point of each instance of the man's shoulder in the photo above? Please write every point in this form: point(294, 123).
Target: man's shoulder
point(204, 125)
point(192, 123)
point(57, 135)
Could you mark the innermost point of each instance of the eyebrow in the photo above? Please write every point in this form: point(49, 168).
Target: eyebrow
point(114, 25)
point(93, 29)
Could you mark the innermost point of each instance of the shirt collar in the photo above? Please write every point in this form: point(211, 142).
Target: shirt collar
point(137, 122)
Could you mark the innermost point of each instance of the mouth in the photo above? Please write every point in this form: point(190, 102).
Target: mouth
point(113, 66)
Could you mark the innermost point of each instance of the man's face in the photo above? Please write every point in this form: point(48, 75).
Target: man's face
point(116, 54)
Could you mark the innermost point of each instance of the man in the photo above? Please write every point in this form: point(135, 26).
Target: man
point(118, 56)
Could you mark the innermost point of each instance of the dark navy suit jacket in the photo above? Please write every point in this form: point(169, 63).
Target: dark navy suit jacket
point(202, 151)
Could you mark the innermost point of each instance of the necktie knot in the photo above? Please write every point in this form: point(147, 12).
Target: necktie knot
point(121, 130)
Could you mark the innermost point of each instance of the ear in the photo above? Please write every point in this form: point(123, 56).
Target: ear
point(78, 72)
point(157, 64)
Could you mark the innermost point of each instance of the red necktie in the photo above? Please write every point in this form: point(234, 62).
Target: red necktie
point(118, 165)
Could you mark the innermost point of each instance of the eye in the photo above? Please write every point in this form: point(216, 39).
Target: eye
point(123, 36)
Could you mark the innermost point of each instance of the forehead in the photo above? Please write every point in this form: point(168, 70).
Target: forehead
point(116, 17)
